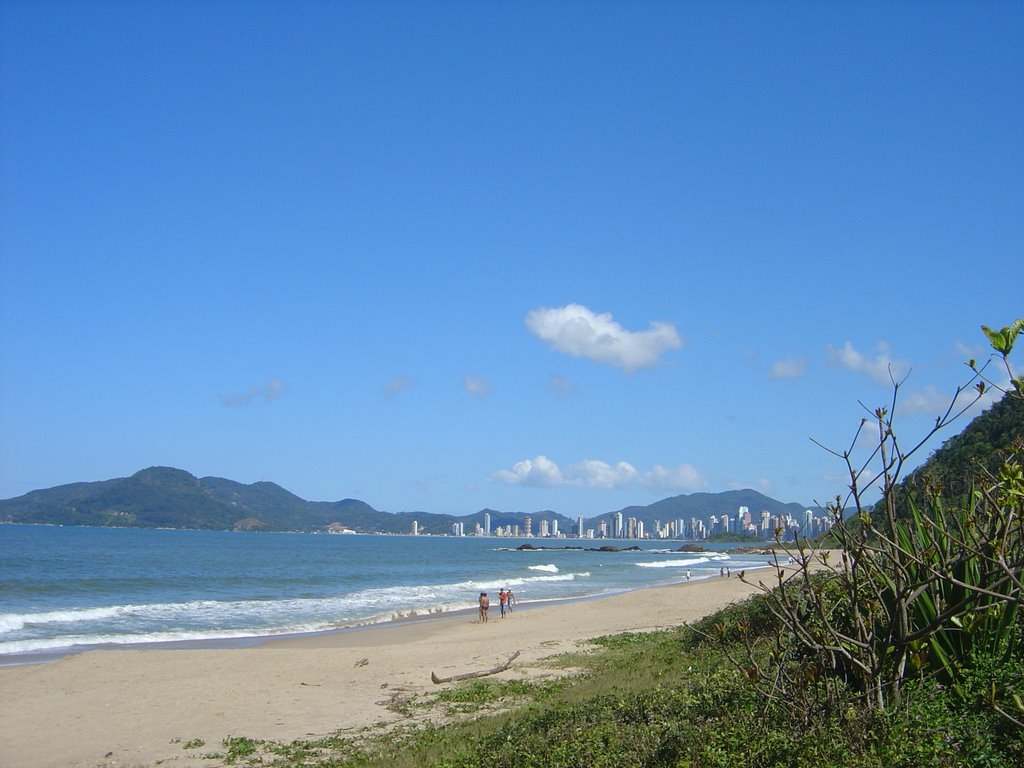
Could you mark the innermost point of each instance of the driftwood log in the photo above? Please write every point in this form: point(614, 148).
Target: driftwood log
point(469, 675)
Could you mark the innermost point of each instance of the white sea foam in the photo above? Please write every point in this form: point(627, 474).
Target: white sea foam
point(75, 641)
point(524, 581)
point(205, 619)
point(674, 563)
point(307, 585)
point(10, 622)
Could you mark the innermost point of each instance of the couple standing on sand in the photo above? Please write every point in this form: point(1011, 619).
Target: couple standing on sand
point(505, 600)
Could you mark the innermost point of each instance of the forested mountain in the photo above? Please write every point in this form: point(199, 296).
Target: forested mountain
point(705, 505)
point(164, 497)
point(983, 445)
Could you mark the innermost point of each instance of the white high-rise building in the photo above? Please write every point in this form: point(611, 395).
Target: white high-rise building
point(487, 523)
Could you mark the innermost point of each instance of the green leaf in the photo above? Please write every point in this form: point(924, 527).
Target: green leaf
point(1002, 340)
point(998, 340)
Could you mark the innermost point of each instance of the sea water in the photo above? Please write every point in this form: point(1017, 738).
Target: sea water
point(65, 589)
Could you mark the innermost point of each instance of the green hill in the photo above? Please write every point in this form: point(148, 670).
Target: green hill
point(981, 447)
point(164, 497)
point(705, 505)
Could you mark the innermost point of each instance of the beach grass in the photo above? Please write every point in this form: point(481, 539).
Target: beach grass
point(666, 698)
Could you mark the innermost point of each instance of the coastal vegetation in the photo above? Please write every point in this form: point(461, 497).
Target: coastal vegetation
point(669, 698)
point(907, 650)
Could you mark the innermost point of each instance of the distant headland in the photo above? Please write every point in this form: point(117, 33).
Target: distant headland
point(165, 497)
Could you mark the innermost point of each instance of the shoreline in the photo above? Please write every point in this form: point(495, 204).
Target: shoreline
point(137, 707)
point(202, 613)
point(49, 656)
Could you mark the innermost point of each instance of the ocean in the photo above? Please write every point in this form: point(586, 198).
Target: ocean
point(67, 589)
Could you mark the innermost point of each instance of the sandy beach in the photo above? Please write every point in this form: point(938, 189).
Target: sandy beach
point(137, 707)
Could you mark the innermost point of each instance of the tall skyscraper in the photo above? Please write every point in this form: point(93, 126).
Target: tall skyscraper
point(487, 523)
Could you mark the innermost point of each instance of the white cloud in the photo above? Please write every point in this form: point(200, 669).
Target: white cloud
point(541, 472)
point(790, 368)
point(273, 389)
point(878, 368)
point(968, 352)
point(928, 400)
point(685, 477)
point(598, 474)
point(577, 331)
point(561, 386)
point(476, 386)
point(270, 391)
point(397, 384)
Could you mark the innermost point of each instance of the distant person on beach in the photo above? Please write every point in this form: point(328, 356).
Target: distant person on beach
point(503, 602)
point(687, 574)
point(510, 598)
point(485, 603)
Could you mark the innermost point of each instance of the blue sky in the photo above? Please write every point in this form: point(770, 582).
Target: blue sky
point(447, 256)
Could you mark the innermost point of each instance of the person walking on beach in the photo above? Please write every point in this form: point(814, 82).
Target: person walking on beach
point(510, 598)
point(503, 602)
point(485, 603)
